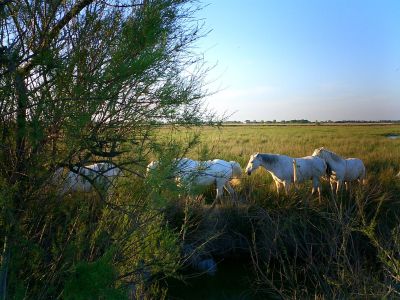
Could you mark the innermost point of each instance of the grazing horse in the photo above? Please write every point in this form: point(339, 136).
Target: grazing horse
point(286, 170)
point(204, 173)
point(342, 170)
point(86, 178)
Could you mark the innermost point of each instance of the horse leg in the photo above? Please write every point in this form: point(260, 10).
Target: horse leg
point(314, 185)
point(339, 184)
point(333, 186)
point(319, 193)
point(220, 192)
point(286, 185)
point(319, 190)
point(363, 177)
point(278, 185)
point(230, 190)
point(363, 181)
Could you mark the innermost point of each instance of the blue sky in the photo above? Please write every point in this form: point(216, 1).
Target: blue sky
point(311, 59)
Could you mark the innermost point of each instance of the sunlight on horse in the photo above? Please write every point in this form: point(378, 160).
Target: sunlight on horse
point(286, 170)
point(193, 173)
point(342, 170)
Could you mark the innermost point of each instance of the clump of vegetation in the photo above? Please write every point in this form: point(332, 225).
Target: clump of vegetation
point(345, 247)
point(84, 82)
point(331, 251)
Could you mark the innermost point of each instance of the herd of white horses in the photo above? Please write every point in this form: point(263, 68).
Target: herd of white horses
point(285, 171)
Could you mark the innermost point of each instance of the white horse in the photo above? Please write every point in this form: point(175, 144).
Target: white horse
point(86, 178)
point(179, 165)
point(193, 173)
point(286, 170)
point(342, 170)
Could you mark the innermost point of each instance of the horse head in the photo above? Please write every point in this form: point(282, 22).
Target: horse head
point(318, 151)
point(253, 164)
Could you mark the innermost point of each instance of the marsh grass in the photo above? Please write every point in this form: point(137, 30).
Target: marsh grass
point(346, 246)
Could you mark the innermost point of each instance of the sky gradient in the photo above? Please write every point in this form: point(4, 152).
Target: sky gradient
point(311, 59)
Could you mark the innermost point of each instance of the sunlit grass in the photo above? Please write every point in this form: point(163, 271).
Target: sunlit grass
point(342, 246)
point(369, 143)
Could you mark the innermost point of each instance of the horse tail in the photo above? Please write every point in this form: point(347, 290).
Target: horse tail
point(294, 171)
point(328, 170)
point(236, 169)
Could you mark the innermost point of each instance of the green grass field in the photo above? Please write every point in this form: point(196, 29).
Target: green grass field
point(368, 142)
point(344, 247)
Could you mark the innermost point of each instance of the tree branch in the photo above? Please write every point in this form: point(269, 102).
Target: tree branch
point(48, 38)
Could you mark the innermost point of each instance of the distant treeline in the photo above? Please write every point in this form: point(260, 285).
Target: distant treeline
point(303, 121)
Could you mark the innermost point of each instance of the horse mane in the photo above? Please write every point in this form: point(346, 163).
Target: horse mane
point(268, 159)
point(333, 155)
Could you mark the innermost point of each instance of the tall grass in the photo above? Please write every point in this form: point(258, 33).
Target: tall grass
point(344, 247)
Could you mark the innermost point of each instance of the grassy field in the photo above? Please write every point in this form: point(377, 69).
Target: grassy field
point(370, 143)
point(346, 246)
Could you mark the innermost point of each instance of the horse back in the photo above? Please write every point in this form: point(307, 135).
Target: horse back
point(310, 166)
point(355, 169)
point(220, 168)
point(280, 166)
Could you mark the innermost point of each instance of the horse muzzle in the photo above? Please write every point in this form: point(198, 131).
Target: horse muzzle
point(248, 172)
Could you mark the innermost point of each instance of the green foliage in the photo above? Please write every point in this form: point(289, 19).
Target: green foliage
point(91, 82)
point(146, 245)
point(70, 254)
point(93, 280)
point(6, 195)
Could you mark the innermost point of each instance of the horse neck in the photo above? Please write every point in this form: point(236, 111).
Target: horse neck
point(333, 159)
point(268, 166)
